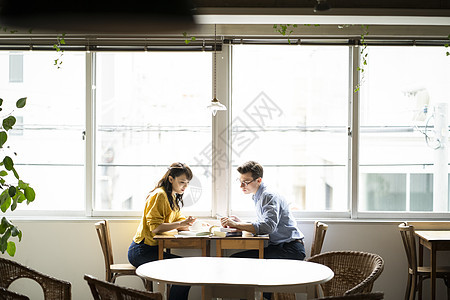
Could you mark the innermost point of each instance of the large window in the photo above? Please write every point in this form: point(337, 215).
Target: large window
point(404, 130)
point(151, 111)
point(48, 135)
point(290, 114)
point(99, 132)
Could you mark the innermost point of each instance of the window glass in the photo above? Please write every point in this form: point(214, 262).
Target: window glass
point(48, 134)
point(151, 112)
point(404, 129)
point(290, 114)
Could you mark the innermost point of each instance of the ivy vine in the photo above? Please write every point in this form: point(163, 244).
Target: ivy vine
point(60, 40)
point(285, 29)
point(364, 55)
point(188, 39)
point(446, 47)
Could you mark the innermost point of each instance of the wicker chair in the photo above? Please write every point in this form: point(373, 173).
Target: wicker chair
point(354, 271)
point(359, 296)
point(54, 289)
point(112, 270)
point(319, 236)
point(417, 274)
point(9, 295)
point(102, 290)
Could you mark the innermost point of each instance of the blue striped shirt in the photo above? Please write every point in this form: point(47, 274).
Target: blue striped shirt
point(274, 217)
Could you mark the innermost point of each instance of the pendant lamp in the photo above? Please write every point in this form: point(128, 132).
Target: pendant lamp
point(215, 104)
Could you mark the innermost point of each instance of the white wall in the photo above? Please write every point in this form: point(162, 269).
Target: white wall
point(68, 249)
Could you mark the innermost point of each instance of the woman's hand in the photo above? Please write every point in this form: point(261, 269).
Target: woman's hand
point(186, 223)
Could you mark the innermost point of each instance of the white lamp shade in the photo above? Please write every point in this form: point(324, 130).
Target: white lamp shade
point(215, 106)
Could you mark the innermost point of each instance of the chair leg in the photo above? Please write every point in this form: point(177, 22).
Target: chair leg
point(148, 285)
point(412, 294)
point(408, 288)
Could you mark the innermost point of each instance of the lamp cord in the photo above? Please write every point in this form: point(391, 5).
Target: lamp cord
point(214, 65)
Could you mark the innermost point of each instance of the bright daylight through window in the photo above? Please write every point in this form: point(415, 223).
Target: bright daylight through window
point(289, 108)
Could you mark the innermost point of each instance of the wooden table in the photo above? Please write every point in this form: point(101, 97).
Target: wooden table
point(434, 240)
point(236, 277)
point(170, 241)
point(247, 242)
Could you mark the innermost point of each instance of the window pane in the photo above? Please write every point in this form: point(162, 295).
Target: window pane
point(290, 114)
point(404, 126)
point(48, 135)
point(151, 112)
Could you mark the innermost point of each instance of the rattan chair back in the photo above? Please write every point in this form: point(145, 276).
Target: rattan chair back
point(54, 289)
point(320, 229)
point(10, 295)
point(359, 296)
point(354, 271)
point(102, 290)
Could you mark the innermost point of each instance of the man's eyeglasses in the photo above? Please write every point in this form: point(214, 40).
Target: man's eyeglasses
point(244, 183)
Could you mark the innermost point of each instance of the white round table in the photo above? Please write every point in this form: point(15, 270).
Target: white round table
point(237, 277)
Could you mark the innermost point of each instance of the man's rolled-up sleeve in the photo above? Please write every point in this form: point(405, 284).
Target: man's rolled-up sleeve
point(269, 218)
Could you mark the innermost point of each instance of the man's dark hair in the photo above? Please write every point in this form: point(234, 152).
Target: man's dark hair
point(251, 166)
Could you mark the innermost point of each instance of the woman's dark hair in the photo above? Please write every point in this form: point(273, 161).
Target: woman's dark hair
point(175, 170)
point(251, 166)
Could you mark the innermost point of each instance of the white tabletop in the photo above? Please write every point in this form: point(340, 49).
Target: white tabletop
point(261, 274)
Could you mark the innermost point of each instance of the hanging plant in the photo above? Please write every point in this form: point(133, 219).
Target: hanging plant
point(364, 54)
point(188, 39)
point(446, 46)
point(60, 40)
point(12, 191)
point(285, 29)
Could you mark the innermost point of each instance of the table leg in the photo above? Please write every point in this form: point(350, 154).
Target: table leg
point(160, 249)
point(433, 271)
point(261, 249)
point(219, 248)
point(161, 288)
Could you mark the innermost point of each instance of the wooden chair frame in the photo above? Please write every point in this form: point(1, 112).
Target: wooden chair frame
point(112, 270)
point(320, 229)
point(417, 274)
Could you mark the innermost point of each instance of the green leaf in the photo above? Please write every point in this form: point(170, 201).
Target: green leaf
point(22, 185)
point(14, 203)
point(15, 231)
point(3, 197)
point(1, 101)
point(6, 204)
point(15, 173)
point(6, 235)
point(20, 235)
point(20, 196)
point(3, 225)
point(3, 246)
point(21, 102)
point(9, 164)
point(3, 138)
point(8, 123)
point(11, 248)
point(30, 194)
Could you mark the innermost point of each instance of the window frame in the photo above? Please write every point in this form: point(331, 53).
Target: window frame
point(221, 139)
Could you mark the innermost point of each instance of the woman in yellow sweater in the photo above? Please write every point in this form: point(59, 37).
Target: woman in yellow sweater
point(161, 214)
